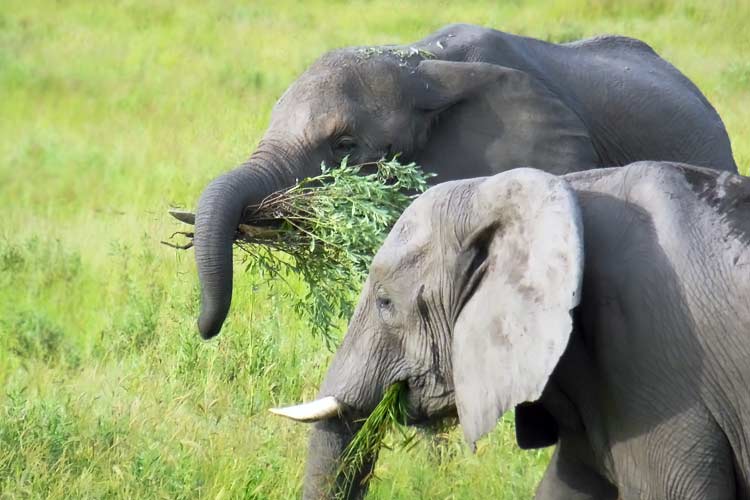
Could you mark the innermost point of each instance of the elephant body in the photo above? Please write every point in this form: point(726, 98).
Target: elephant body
point(628, 103)
point(610, 308)
point(463, 102)
point(652, 397)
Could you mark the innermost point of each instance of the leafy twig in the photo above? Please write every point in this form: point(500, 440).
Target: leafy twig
point(325, 230)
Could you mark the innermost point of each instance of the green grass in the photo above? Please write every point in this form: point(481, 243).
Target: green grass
point(112, 111)
point(389, 415)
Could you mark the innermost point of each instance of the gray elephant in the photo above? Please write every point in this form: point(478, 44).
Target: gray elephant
point(610, 307)
point(464, 102)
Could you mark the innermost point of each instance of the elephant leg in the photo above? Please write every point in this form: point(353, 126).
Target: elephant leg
point(568, 478)
point(687, 457)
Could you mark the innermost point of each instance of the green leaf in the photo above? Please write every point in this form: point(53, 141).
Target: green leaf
point(330, 226)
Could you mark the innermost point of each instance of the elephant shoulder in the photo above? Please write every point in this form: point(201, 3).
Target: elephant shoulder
point(723, 196)
point(677, 196)
point(719, 189)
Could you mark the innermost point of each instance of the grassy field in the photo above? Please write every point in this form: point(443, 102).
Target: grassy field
point(112, 111)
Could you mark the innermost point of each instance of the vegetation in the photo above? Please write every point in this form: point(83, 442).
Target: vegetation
point(391, 413)
point(325, 231)
point(112, 111)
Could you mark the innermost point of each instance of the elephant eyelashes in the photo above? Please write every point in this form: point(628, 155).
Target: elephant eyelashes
point(344, 146)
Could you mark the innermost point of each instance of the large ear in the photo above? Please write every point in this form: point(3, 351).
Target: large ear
point(498, 116)
point(521, 271)
point(444, 83)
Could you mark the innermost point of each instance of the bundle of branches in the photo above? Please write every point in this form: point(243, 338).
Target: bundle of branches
point(389, 415)
point(325, 230)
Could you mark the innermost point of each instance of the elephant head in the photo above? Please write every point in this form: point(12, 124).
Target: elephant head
point(468, 301)
point(371, 103)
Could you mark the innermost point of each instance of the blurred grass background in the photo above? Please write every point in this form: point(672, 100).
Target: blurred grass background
point(112, 111)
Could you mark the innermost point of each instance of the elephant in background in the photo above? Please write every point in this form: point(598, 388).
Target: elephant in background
point(463, 102)
point(610, 308)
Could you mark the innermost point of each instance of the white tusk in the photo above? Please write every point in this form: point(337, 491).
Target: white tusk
point(320, 409)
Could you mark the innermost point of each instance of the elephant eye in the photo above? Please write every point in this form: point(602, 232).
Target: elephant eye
point(383, 303)
point(344, 146)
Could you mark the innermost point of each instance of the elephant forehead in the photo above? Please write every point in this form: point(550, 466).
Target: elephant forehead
point(369, 83)
point(416, 223)
point(402, 262)
point(319, 87)
point(406, 244)
point(427, 226)
point(408, 233)
point(314, 118)
point(446, 206)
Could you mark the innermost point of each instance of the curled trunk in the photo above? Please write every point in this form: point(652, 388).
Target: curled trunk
point(219, 211)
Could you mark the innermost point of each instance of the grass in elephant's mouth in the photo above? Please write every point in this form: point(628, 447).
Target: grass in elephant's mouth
point(325, 230)
point(390, 414)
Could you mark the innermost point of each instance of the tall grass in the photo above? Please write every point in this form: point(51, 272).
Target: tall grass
point(112, 111)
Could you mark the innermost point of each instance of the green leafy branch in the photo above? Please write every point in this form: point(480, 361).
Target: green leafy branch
point(325, 230)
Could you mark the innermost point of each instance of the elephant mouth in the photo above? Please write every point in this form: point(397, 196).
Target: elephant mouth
point(420, 410)
point(424, 411)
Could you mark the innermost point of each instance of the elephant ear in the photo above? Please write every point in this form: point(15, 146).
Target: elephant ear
point(520, 275)
point(498, 116)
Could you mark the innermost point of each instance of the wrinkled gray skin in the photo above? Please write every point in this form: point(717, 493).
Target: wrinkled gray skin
point(464, 102)
point(610, 307)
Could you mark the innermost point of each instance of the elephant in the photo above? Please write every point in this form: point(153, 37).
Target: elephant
point(464, 102)
point(610, 308)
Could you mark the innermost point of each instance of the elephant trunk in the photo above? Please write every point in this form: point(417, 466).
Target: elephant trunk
point(351, 390)
point(328, 440)
point(218, 214)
